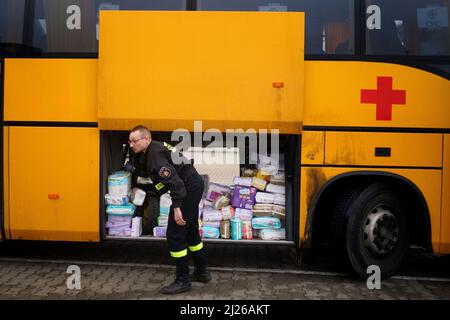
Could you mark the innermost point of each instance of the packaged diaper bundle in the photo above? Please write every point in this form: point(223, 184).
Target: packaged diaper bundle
point(275, 188)
point(266, 222)
point(259, 183)
point(264, 197)
point(137, 196)
point(216, 190)
point(210, 232)
point(159, 231)
point(116, 199)
point(272, 234)
point(243, 214)
point(243, 181)
point(119, 183)
point(165, 201)
point(243, 197)
point(136, 227)
point(227, 213)
point(121, 210)
point(212, 215)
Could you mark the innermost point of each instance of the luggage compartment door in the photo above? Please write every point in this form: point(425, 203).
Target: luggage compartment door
point(231, 70)
point(54, 183)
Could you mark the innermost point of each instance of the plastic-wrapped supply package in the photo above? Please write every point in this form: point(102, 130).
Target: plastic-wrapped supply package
point(163, 220)
point(137, 196)
point(259, 183)
point(277, 178)
point(249, 172)
point(243, 214)
point(124, 210)
point(266, 222)
point(216, 190)
point(116, 200)
point(264, 197)
point(221, 201)
point(227, 213)
point(272, 234)
point(243, 197)
point(236, 229)
point(120, 232)
point(214, 224)
point(165, 202)
point(119, 183)
point(136, 227)
point(276, 188)
point(279, 199)
point(118, 225)
point(212, 215)
point(243, 181)
point(159, 231)
point(119, 219)
point(279, 211)
point(225, 229)
point(268, 170)
point(262, 213)
point(247, 231)
point(210, 232)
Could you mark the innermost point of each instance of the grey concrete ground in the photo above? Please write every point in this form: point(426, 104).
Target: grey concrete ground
point(30, 280)
point(135, 270)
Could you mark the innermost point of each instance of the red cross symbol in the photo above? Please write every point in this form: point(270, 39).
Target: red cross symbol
point(384, 97)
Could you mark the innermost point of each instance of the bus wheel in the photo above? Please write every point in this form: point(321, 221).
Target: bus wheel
point(378, 231)
point(338, 224)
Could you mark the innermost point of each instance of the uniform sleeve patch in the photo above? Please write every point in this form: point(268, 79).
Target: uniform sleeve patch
point(165, 172)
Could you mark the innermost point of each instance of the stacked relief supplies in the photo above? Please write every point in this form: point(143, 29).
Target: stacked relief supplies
point(119, 209)
point(165, 202)
point(269, 209)
point(253, 207)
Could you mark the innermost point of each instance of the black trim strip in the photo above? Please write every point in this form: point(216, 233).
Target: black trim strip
point(376, 129)
point(368, 167)
point(51, 124)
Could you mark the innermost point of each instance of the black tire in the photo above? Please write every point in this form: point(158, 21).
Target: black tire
point(371, 214)
point(338, 224)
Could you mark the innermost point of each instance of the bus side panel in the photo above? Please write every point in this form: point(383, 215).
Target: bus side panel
point(54, 183)
point(445, 227)
point(428, 181)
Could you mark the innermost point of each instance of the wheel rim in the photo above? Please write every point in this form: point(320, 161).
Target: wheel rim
point(381, 231)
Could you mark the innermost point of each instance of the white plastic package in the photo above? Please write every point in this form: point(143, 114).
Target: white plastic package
point(165, 201)
point(272, 234)
point(116, 199)
point(243, 181)
point(243, 214)
point(136, 227)
point(119, 183)
point(279, 199)
point(275, 188)
point(212, 215)
point(137, 196)
point(264, 197)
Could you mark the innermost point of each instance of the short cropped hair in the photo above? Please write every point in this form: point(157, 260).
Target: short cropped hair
point(143, 130)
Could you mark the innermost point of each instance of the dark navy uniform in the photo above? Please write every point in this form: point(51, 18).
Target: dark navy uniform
point(186, 189)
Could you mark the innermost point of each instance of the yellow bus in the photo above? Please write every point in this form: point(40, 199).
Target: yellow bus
point(355, 92)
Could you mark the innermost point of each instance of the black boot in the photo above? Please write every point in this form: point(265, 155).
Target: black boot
point(181, 283)
point(201, 273)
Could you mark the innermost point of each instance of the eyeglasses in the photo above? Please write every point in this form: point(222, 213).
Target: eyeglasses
point(135, 141)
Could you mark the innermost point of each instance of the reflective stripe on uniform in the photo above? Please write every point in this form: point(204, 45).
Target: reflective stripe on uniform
point(178, 254)
point(197, 247)
point(159, 186)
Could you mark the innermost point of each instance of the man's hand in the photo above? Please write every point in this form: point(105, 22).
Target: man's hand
point(178, 216)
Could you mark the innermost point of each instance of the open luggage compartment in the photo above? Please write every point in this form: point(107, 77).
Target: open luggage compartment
point(222, 180)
